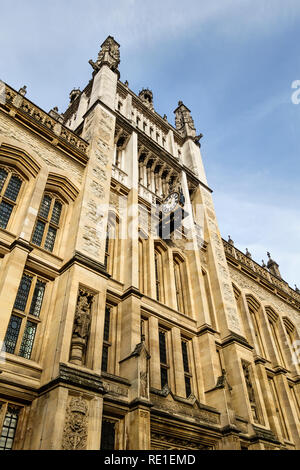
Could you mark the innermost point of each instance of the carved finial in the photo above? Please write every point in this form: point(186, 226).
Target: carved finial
point(248, 253)
point(263, 264)
point(126, 83)
point(55, 114)
point(23, 90)
point(165, 118)
point(231, 242)
point(74, 94)
point(184, 122)
point(296, 289)
point(273, 266)
point(197, 139)
point(146, 96)
point(109, 55)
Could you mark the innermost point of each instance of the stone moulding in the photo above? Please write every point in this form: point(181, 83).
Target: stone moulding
point(77, 378)
point(249, 267)
point(30, 115)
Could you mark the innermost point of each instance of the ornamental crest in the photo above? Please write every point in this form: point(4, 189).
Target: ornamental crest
point(75, 431)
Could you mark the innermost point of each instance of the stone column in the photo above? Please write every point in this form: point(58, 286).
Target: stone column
point(178, 369)
point(154, 353)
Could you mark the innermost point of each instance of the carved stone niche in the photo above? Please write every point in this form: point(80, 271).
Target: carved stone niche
point(81, 327)
point(76, 425)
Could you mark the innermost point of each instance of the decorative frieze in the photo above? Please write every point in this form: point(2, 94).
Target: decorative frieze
point(16, 100)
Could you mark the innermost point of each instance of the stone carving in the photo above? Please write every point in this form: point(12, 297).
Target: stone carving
point(250, 391)
point(81, 327)
point(108, 55)
point(76, 425)
point(53, 157)
point(23, 90)
point(184, 122)
point(161, 441)
point(146, 97)
point(273, 267)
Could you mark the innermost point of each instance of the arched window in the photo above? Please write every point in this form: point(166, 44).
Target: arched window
point(48, 222)
point(24, 321)
point(142, 279)
point(253, 307)
point(179, 284)
point(273, 323)
point(112, 245)
point(10, 185)
point(159, 276)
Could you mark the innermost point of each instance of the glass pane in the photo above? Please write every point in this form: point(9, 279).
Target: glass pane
point(45, 207)
point(104, 359)
point(9, 428)
point(163, 377)
point(3, 176)
point(13, 188)
point(188, 390)
point(5, 212)
point(28, 339)
point(12, 334)
point(22, 295)
point(50, 239)
point(56, 213)
point(38, 233)
point(185, 356)
point(107, 436)
point(37, 298)
point(162, 347)
point(106, 324)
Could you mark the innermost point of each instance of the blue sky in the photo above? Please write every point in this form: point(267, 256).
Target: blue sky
point(232, 62)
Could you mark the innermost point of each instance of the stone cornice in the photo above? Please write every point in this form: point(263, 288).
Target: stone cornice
point(77, 378)
point(87, 262)
point(41, 123)
point(259, 274)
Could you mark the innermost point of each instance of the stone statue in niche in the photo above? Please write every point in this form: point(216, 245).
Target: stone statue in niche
point(81, 327)
point(251, 393)
point(75, 430)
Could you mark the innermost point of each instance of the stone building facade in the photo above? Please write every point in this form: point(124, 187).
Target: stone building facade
point(127, 322)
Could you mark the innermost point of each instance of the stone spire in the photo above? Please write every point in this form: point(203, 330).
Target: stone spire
point(273, 267)
point(108, 55)
point(184, 123)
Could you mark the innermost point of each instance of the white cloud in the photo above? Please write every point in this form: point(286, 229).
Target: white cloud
point(262, 228)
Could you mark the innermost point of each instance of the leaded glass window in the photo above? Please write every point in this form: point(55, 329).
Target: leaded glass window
point(9, 427)
point(107, 435)
point(23, 291)
point(27, 341)
point(48, 222)
point(10, 185)
point(163, 358)
point(37, 298)
point(24, 321)
point(106, 338)
point(12, 334)
point(186, 368)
